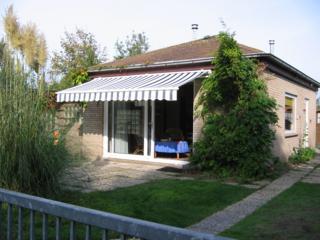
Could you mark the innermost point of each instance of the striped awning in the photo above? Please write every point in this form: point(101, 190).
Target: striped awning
point(154, 86)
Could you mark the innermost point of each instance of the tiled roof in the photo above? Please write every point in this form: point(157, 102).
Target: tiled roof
point(202, 48)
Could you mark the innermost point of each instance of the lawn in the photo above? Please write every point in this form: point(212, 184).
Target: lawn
point(175, 202)
point(294, 214)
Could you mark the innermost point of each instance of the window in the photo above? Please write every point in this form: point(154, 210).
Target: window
point(290, 113)
point(318, 118)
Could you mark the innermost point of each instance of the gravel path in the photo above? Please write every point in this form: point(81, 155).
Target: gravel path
point(231, 215)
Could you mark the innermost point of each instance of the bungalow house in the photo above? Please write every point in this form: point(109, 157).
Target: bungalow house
point(142, 107)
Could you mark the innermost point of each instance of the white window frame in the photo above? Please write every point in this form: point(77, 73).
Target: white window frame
point(306, 123)
point(294, 124)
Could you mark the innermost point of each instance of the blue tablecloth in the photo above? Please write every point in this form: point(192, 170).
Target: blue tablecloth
point(172, 147)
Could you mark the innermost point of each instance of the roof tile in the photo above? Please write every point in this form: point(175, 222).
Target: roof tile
point(202, 48)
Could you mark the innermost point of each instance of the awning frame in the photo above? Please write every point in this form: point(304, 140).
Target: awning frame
point(168, 86)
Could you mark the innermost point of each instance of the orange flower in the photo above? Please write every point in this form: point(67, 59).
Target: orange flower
point(56, 134)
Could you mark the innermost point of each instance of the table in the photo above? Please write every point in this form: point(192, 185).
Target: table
point(171, 147)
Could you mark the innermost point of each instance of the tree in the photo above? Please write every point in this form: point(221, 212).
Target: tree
point(27, 41)
point(135, 44)
point(238, 113)
point(79, 51)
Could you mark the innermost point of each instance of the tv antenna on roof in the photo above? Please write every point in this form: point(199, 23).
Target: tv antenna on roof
point(194, 28)
point(271, 45)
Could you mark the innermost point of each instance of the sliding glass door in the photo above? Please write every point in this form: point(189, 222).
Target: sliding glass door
point(128, 128)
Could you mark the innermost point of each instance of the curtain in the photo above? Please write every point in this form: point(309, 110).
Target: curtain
point(122, 117)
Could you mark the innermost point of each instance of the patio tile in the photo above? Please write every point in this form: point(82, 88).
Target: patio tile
point(108, 175)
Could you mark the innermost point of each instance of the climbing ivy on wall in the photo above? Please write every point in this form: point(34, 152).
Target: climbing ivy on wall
point(238, 114)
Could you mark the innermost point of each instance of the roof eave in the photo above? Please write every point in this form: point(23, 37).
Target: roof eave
point(154, 65)
point(176, 63)
point(278, 61)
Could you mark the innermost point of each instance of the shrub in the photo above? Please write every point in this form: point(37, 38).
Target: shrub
point(29, 159)
point(302, 155)
point(238, 115)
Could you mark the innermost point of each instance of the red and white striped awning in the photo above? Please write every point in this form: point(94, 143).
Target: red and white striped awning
point(154, 86)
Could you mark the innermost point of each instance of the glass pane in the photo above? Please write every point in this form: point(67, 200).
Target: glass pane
point(110, 126)
point(128, 127)
point(149, 127)
point(289, 105)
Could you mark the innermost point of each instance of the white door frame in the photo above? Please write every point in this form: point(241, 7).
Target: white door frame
point(145, 129)
point(110, 152)
point(105, 129)
point(153, 114)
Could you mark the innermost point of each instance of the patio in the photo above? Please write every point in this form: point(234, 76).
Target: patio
point(111, 174)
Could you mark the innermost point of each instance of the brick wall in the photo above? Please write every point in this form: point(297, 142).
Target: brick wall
point(67, 118)
point(93, 131)
point(197, 121)
point(278, 87)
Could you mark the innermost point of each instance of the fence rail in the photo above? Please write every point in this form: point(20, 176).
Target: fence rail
point(125, 226)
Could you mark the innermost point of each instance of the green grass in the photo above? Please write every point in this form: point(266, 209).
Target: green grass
point(294, 214)
point(175, 202)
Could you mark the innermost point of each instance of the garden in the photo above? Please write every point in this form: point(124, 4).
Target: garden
point(237, 112)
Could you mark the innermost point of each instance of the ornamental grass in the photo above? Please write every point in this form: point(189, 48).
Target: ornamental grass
point(30, 161)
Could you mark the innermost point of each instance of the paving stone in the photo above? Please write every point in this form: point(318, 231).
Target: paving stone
point(261, 183)
point(108, 175)
point(315, 180)
point(313, 177)
point(234, 213)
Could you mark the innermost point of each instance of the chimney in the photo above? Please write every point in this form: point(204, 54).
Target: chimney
point(271, 45)
point(194, 28)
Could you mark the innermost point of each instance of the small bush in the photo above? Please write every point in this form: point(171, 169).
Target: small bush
point(302, 155)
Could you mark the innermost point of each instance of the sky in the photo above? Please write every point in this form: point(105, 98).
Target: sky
point(293, 24)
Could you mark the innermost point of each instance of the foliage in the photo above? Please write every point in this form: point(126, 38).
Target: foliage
point(135, 44)
point(29, 160)
point(26, 40)
point(294, 214)
point(79, 51)
point(238, 114)
point(302, 155)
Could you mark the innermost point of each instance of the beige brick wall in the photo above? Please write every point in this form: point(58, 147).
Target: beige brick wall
point(197, 121)
point(68, 119)
point(278, 87)
point(93, 131)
